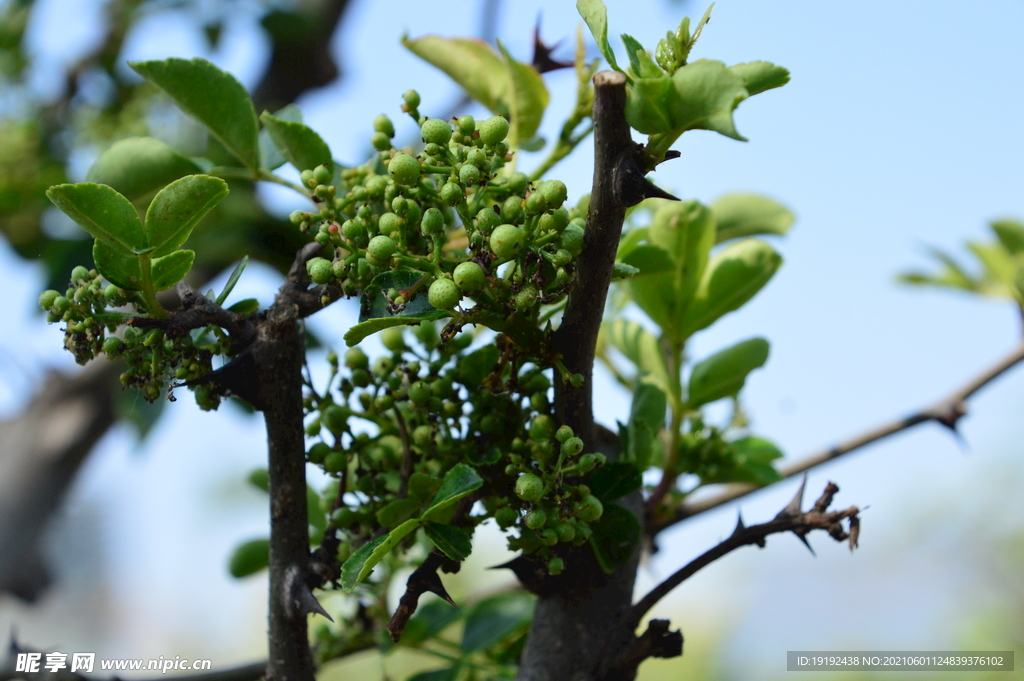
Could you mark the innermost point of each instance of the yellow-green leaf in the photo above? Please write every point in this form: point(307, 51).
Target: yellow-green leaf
point(102, 212)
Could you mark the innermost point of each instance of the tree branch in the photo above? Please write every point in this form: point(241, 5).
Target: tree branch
point(947, 411)
point(790, 519)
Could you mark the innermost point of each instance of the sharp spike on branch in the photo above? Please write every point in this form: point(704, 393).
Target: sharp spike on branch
point(309, 604)
point(854, 532)
point(542, 59)
point(653, 191)
point(793, 507)
point(806, 543)
point(739, 524)
point(435, 586)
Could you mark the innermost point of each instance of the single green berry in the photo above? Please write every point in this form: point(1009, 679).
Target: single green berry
point(393, 339)
point(380, 141)
point(525, 298)
point(355, 358)
point(506, 516)
point(548, 537)
point(506, 241)
point(517, 182)
point(572, 446)
point(566, 532)
point(512, 208)
point(539, 402)
point(466, 125)
point(422, 435)
point(444, 294)
point(79, 273)
point(571, 239)
point(411, 99)
point(335, 462)
point(344, 517)
point(561, 258)
point(307, 178)
point(322, 175)
point(334, 418)
point(404, 169)
point(536, 518)
point(112, 293)
point(536, 203)
point(469, 174)
point(319, 270)
point(542, 427)
point(556, 565)
point(354, 232)
point(384, 125)
point(376, 185)
point(389, 222)
point(112, 347)
point(563, 433)
point(360, 378)
point(419, 393)
point(381, 248)
point(486, 220)
point(383, 402)
point(432, 221)
point(554, 192)
point(318, 452)
point(452, 193)
point(529, 487)
point(477, 157)
point(47, 298)
point(437, 131)
point(589, 509)
point(431, 149)
point(493, 130)
point(469, 276)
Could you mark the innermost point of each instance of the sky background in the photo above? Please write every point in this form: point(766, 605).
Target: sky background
point(901, 128)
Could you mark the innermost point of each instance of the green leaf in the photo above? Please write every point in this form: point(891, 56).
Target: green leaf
point(631, 240)
point(102, 212)
point(650, 405)
point(212, 97)
point(649, 259)
point(119, 267)
point(172, 268)
point(303, 148)
point(699, 96)
point(271, 157)
point(178, 208)
point(233, 278)
point(633, 49)
point(615, 536)
point(743, 215)
point(446, 674)
point(423, 486)
point(450, 540)
point(250, 558)
point(526, 97)
point(641, 348)
point(357, 333)
point(397, 512)
point(461, 480)
point(1011, 235)
point(759, 76)
point(494, 619)
point(596, 15)
point(686, 231)
point(622, 271)
point(753, 458)
point(373, 303)
point(314, 512)
point(470, 63)
point(473, 368)
point(361, 563)
point(733, 276)
point(614, 480)
point(138, 166)
point(431, 619)
point(952, 275)
point(724, 373)
point(640, 444)
point(998, 265)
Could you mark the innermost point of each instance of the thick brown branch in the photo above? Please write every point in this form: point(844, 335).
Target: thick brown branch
point(790, 519)
point(946, 411)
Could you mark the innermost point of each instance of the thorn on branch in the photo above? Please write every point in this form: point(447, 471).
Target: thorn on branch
point(423, 579)
point(542, 59)
point(299, 598)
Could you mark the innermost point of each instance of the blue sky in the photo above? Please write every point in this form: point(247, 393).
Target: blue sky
point(901, 127)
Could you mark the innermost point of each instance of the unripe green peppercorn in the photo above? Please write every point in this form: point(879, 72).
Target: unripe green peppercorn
point(572, 446)
point(319, 270)
point(419, 393)
point(322, 175)
point(493, 130)
point(466, 125)
point(47, 298)
point(512, 208)
point(384, 125)
point(421, 435)
point(469, 174)
point(376, 185)
point(393, 339)
point(381, 248)
point(411, 99)
point(556, 565)
point(566, 532)
point(563, 433)
point(517, 182)
point(486, 220)
point(334, 418)
point(477, 157)
point(335, 462)
point(452, 193)
point(79, 273)
point(443, 294)
point(525, 299)
point(506, 241)
point(404, 169)
point(383, 402)
point(437, 131)
point(529, 487)
point(355, 358)
point(383, 366)
point(112, 347)
point(571, 239)
point(536, 518)
point(589, 509)
point(318, 452)
point(554, 192)
point(432, 221)
point(505, 516)
point(307, 178)
point(548, 537)
point(542, 427)
point(380, 141)
point(469, 276)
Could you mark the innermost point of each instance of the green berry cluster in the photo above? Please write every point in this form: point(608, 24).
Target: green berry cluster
point(153, 360)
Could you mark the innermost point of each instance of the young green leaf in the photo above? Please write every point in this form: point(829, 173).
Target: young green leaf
point(450, 540)
point(724, 373)
point(178, 208)
point(752, 463)
point(527, 98)
point(470, 63)
point(595, 14)
point(361, 563)
point(397, 512)
point(743, 215)
point(616, 535)
point(649, 406)
point(314, 511)
point(1010, 234)
point(249, 558)
point(686, 231)
point(614, 480)
point(102, 212)
point(138, 166)
point(733, 276)
point(699, 96)
point(357, 333)
point(641, 348)
point(432, 617)
point(172, 268)
point(374, 303)
point(495, 618)
point(120, 268)
point(759, 76)
point(633, 49)
point(271, 157)
point(212, 97)
point(299, 143)
point(458, 482)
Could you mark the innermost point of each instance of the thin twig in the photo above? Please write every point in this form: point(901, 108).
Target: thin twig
point(947, 411)
point(790, 519)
